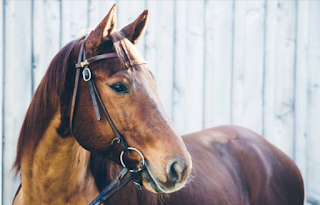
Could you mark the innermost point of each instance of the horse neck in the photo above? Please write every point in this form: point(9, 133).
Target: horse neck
point(57, 170)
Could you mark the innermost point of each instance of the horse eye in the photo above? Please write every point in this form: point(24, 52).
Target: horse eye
point(120, 88)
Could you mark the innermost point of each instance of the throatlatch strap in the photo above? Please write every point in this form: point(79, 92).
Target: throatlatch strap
point(74, 97)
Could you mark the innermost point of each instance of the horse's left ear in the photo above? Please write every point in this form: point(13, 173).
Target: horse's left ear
point(136, 29)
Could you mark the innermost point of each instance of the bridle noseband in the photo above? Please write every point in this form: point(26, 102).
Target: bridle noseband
point(82, 66)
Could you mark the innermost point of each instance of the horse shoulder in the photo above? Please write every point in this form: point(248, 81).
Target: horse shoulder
point(270, 176)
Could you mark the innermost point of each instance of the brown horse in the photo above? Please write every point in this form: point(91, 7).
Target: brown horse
point(230, 165)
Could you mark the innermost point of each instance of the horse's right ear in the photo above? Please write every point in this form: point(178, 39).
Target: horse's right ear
point(102, 31)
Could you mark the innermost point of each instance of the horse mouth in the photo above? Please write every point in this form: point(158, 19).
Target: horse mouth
point(149, 181)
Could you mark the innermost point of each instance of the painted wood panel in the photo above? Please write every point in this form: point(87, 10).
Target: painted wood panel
point(249, 63)
point(128, 11)
point(1, 89)
point(159, 54)
point(18, 84)
point(190, 90)
point(45, 33)
point(280, 65)
point(218, 62)
point(314, 100)
point(75, 20)
point(179, 84)
point(97, 11)
point(285, 75)
point(270, 70)
point(248, 60)
point(301, 88)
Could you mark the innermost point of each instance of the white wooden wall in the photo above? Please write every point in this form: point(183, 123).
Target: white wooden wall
point(250, 63)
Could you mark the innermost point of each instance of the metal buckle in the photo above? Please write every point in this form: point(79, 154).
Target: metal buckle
point(84, 74)
point(142, 163)
point(116, 139)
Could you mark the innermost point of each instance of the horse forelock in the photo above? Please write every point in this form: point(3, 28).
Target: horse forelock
point(128, 55)
point(51, 93)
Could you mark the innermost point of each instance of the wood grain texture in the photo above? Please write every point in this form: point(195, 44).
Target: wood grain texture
point(161, 21)
point(18, 84)
point(314, 102)
point(270, 71)
point(248, 64)
point(180, 81)
point(44, 33)
point(194, 66)
point(75, 20)
point(97, 11)
point(1, 89)
point(218, 62)
point(128, 11)
point(285, 75)
point(301, 88)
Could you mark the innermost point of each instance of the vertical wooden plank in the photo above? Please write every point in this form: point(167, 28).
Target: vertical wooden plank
point(270, 71)
point(1, 92)
point(179, 90)
point(97, 11)
point(284, 75)
point(191, 89)
point(46, 36)
point(248, 64)
point(218, 64)
point(313, 168)
point(18, 84)
point(301, 87)
point(159, 53)
point(74, 20)
point(128, 11)
point(151, 36)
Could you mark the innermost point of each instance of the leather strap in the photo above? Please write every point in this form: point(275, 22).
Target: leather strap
point(120, 139)
point(76, 84)
point(93, 97)
point(74, 97)
point(109, 191)
point(83, 66)
point(96, 58)
point(93, 92)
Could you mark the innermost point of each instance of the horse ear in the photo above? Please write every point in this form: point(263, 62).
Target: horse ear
point(102, 31)
point(136, 29)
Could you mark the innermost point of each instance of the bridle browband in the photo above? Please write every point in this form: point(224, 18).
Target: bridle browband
point(82, 65)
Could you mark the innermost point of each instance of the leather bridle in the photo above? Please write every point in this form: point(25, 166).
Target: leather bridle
point(83, 66)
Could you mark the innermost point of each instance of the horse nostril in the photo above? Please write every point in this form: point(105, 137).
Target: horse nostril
point(175, 172)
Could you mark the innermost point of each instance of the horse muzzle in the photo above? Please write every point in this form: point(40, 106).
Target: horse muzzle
point(176, 174)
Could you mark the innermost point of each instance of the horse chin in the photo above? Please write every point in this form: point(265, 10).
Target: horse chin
point(151, 183)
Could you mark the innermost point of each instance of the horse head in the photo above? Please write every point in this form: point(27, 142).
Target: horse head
point(129, 92)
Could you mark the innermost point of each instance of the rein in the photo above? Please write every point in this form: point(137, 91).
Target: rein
point(83, 66)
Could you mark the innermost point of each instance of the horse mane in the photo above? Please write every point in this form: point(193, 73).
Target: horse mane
point(45, 102)
point(54, 91)
point(56, 87)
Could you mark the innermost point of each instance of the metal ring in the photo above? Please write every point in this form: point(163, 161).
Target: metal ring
point(142, 161)
point(84, 76)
